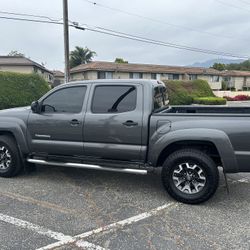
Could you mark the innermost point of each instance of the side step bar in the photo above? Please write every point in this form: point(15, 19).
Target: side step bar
point(88, 166)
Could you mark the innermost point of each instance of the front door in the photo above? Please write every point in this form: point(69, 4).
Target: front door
point(113, 124)
point(58, 128)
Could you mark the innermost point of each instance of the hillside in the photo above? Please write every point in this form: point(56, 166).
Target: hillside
point(210, 63)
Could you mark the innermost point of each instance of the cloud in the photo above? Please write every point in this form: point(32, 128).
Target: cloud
point(44, 43)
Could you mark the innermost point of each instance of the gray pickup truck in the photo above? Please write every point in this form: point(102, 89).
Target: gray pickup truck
point(127, 126)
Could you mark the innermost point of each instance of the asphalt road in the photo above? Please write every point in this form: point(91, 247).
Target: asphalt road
point(54, 204)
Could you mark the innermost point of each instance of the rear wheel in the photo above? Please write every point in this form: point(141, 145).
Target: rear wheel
point(190, 176)
point(10, 163)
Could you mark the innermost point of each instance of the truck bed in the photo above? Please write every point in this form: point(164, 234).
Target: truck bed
point(207, 110)
point(203, 123)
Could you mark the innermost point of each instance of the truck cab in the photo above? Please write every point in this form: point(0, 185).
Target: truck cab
point(102, 119)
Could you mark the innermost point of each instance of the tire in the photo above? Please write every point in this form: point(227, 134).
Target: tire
point(10, 162)
point(190, 176)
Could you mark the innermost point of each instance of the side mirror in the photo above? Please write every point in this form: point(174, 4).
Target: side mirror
point(35, 107)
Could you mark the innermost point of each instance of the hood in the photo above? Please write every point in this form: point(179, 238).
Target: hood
point(21, 112)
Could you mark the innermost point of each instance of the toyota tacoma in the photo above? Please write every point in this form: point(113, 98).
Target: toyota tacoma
point(128, 126)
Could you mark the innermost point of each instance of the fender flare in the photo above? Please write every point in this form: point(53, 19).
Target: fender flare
point(15, 129)
point(214, 136)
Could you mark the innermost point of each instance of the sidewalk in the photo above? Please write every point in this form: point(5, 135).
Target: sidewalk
point(239, 103)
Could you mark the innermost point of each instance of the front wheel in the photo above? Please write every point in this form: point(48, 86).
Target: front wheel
point(190, 176)
point(10, 163)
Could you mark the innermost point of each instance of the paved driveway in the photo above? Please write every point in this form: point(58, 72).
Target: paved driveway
point(239, 103)
point(60, 208)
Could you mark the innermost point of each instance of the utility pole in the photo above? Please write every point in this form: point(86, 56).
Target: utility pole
point(66, 40)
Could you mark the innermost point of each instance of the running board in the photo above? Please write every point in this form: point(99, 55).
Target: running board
point(88, 166)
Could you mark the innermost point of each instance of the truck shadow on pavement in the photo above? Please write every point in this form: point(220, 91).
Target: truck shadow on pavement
point(138, 185)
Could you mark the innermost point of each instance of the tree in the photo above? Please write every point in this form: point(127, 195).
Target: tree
point(219, 66)
point(120, 60)
point(81, 56)
point(245, 66)
point(15, 53)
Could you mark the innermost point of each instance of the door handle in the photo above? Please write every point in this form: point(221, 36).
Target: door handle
point(130, 123)
point(74, 122)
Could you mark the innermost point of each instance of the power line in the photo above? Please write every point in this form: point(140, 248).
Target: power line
point(232, 5)
point(131, 37)
point(31, 15)
point(245, 2)
point(156, 42)
point(159, 21)
point(30, 20)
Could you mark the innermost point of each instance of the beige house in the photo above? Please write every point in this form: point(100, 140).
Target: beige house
point(58, 78)
point(20, 64)
point(237, 80)
point(111, 70)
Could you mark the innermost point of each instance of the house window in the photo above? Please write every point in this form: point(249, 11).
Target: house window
point(135, 75)
point(105, 75)
point(153, 76)
point(214, 78)
point(173, 76)
point(229, 82)
point(176, 76)
point(50, 77)
point(164, 75)
point(192, 77)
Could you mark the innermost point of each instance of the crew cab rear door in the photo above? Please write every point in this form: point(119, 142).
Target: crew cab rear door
point(113, 122)
point(58, 128)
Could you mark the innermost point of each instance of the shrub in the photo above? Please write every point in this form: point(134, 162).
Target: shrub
point(241, 98)
point(210, 100)
point(20, 89)
point(183, 92)
point(237, 98)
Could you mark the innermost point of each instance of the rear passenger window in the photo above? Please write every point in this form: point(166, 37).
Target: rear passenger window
point(114, 99)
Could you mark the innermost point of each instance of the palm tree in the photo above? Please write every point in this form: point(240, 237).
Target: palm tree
point(81, 56)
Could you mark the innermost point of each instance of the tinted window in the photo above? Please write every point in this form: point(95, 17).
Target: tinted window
point(160, 97)
point(111, 99)
point(68, 100)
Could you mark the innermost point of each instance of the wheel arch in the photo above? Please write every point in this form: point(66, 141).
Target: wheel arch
point(205, 146)
point(17, 134)
point(214, 142)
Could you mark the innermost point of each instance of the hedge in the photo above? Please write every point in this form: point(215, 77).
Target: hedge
point(183, 92)
point(18, 89)
point(210, 100)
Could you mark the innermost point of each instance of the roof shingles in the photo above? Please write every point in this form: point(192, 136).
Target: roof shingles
point(20, 61)
point(143, 68)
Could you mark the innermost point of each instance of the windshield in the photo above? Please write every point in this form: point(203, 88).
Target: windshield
point(160, 98)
